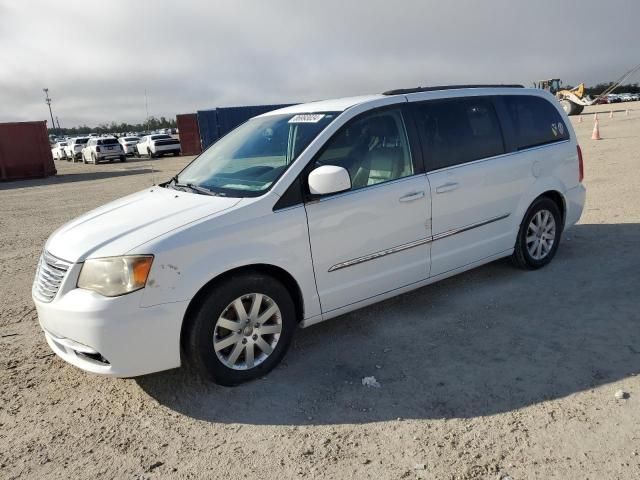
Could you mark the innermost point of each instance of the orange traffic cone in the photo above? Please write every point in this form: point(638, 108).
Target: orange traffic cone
point(596, 131)
point(611, 114)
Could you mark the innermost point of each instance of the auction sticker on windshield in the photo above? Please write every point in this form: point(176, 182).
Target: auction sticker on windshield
point(307, 118)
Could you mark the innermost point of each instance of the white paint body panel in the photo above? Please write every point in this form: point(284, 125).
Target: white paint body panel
point(195, 238)
point(365, 222)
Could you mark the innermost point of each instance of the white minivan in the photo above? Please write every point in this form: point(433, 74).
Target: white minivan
point(303, 214)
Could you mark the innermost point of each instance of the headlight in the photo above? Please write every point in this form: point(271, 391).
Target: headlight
point(115, 276)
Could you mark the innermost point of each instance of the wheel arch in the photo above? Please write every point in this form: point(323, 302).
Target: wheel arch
point(274, 271)
point(549, 188)
point(558, 199)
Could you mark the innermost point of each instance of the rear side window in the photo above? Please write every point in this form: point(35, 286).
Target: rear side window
point(457, 131)
point(534, 120)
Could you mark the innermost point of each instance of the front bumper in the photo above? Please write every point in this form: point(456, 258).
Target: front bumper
point(574, 198)
point(111, 336)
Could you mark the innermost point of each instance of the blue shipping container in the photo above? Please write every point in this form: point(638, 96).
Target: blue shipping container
point(217, 122)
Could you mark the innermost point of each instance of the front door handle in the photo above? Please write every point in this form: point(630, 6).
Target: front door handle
point(410, 197)
point(447, 187)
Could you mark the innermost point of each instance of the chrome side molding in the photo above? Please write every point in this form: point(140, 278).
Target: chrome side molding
point(416, 243)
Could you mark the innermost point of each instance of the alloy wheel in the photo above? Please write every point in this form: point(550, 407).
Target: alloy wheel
point(541, 234)
point(247, 331)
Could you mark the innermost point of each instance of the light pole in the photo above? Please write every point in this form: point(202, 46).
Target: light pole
point(48, 102)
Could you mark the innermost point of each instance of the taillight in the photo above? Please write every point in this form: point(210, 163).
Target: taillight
point(580, 165)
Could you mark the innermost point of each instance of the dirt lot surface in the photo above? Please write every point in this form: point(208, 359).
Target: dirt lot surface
point(494, 373)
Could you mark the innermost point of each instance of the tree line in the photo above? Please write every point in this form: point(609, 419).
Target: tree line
point(152, 123)
point(601, 87)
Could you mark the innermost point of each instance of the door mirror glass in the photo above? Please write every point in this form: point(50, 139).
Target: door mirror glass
point(329, 179)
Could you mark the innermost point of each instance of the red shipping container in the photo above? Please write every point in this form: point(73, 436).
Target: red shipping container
point(189, 134)
point(25, 151)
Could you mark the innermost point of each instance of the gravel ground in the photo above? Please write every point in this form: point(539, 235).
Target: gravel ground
point(494, 373)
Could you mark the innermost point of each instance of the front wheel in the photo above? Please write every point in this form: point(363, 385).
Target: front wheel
point(241, 330)
point(539, 235)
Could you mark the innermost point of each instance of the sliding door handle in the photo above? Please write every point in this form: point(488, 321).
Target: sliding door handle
point(410, 197)
point(447, 187)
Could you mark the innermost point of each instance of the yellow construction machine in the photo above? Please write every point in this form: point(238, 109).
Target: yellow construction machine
point(574, 100)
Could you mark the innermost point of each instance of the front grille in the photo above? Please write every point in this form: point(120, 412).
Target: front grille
point(49, 276)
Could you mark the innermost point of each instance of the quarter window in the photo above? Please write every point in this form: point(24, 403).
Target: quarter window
point(459, 130)
point(535, 121)
point(373, 149)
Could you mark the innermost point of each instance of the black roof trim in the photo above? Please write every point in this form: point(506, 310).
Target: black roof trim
point(401, 91)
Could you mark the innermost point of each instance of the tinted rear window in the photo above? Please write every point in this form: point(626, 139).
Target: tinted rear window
point(159, 137)
point(458, 130)
point(108, 141)
point(82, 141)
point(535, 121)
point(131, 139)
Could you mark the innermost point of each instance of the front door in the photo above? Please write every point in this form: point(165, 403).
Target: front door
point(373, 238)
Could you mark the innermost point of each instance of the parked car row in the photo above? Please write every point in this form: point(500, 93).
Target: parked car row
point(619, 98)
point(93, 149)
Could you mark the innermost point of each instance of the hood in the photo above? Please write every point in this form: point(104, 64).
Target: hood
point(118, 227)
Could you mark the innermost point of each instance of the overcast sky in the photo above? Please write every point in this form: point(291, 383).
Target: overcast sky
point(98, 57)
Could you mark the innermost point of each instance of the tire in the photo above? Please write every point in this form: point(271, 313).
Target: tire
point(568, 106)
point(150, 153)
point(175, 154)
point(123, 158)
point(203, 327)
point(84, 159)
point(579, 109)
point(137, 153)
point(534, 248)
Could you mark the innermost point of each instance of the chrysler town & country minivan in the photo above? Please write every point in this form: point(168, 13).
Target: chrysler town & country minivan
point(303, 214)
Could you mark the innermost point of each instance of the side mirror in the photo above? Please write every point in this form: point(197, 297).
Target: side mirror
point(329, 179)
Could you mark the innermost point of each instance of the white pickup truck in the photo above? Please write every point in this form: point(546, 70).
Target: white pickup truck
point(158, 145)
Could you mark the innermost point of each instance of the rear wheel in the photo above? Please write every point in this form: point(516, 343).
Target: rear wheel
point(123, 158)
point(539, 235)
point(241, 330)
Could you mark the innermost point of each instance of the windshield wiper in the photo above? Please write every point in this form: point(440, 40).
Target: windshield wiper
point(196, 188)
point(175, 184)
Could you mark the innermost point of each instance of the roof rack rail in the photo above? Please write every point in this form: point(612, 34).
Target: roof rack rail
point(401, 91)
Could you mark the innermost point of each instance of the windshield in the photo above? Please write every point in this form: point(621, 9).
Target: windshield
point(247, 161)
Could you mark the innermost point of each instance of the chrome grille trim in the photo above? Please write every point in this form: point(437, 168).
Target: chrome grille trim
point(49, 275)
